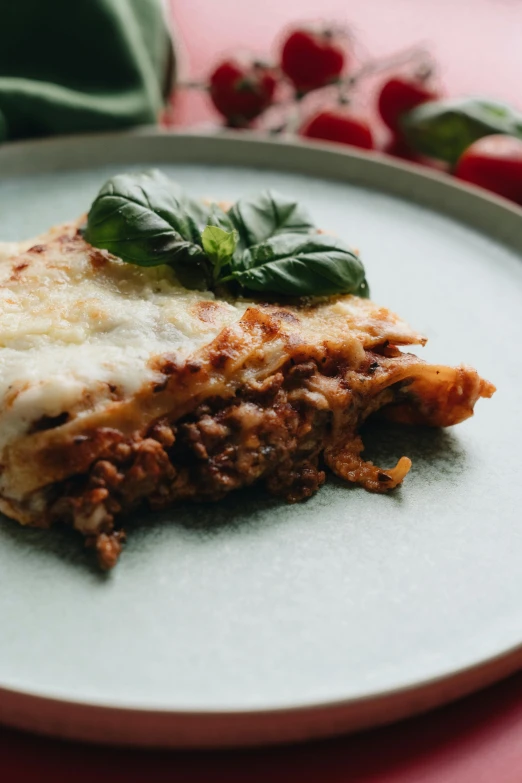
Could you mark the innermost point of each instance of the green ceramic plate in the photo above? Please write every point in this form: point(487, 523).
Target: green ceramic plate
point(250, 620)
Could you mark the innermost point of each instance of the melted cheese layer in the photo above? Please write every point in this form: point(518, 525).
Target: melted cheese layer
point(80, 328)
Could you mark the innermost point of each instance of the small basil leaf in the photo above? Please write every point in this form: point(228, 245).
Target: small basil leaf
point(219, 245)
point(445, 129)
point(146, 219)
point(266, 214)
point(297, 265)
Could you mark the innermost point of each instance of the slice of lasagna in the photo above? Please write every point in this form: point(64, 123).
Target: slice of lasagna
point(119, 387)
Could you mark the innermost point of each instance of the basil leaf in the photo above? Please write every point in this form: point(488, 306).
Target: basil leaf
point(146, 219)
point(218, 217)
point(445, 129)
point(263, 215)
point(297, 265)
point(219, 245)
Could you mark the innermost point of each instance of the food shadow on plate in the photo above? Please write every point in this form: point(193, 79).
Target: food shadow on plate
point(432, 451)
point(436, 454)
point(62, 543)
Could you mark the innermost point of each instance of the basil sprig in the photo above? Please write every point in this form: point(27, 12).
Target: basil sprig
point(264, 243)
point(444, 129)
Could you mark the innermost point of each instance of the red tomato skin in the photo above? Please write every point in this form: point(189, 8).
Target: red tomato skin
point(494, 163)
point(312, 59)
point(341, 127)
point(401, 94)
point(241, 91)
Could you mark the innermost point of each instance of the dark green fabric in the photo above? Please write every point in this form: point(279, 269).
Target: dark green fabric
point(68, 66)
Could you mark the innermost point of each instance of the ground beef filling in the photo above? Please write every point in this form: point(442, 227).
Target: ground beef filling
point(273, 432)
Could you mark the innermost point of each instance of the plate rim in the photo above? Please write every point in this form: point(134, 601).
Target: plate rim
point(247, 139)
point(138, 725)
point(206, 729)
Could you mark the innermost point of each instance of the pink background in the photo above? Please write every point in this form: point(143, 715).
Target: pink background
point(477, 44)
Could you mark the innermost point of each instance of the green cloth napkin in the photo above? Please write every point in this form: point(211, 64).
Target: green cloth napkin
point(68, 66)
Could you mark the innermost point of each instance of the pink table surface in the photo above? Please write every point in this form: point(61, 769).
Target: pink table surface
point(478, 739)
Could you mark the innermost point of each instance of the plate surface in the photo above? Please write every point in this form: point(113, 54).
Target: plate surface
point(250, 620)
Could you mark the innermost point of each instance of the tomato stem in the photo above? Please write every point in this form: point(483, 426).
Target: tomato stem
point(378, 65)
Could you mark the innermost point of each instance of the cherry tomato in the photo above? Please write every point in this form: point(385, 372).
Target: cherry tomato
point(495, 163)
point(312, 59)
point(400, 94)
point(340, 126)
point(241, 91)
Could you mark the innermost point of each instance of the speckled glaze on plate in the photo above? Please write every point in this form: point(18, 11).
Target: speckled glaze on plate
point(249, 620)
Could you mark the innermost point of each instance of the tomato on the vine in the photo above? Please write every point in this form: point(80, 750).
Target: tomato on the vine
point(241, 91)
point(495, 163)
point(401, 94)
point(341, 126)
point(312, 58)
